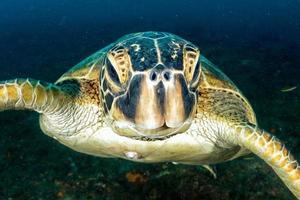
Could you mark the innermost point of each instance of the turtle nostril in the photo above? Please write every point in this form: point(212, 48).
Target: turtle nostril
point(153, 76)
point(167, 75)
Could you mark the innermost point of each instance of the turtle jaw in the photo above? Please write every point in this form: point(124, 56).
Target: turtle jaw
point(154, 108)
point(129, 129)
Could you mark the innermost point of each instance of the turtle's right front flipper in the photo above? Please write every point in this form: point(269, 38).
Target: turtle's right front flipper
point(274, 153)
point(31, 94)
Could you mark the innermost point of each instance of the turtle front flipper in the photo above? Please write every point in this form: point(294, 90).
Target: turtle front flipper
point(31, 94)
point(274, 153)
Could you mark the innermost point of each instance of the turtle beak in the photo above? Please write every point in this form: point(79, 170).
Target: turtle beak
point(157, 103)
point(164, 101)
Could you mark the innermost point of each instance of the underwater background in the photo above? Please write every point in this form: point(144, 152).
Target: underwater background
point(255, 42)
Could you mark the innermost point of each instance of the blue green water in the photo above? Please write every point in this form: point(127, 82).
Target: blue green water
point(256, 43)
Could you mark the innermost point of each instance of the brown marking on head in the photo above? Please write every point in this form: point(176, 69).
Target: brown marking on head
point(89, 92)
point(190, 60)
point(120, 60)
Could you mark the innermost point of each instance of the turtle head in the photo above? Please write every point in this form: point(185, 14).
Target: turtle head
point(150, 84)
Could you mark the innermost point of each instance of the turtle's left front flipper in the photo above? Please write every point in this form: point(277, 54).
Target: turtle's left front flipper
point(274, 153)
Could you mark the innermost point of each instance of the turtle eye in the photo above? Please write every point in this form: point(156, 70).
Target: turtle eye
point(112, 73)
point(118, 68)
point(191, 65)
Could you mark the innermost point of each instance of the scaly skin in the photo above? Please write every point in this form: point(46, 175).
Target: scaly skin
point(273, 152)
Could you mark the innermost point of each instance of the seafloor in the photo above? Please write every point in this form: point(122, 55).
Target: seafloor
point(34, 166)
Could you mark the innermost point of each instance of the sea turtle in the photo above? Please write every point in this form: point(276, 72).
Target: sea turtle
point(151, 97)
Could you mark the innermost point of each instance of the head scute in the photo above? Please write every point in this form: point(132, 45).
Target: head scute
point(191, 64)
point(121, 63)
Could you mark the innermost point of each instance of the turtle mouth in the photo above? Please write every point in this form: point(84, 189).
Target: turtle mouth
point(130, 130)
